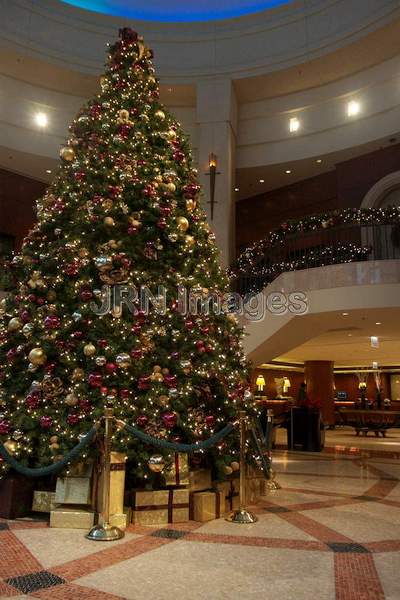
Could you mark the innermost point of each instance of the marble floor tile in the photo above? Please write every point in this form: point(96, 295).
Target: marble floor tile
point(267, 526)
point(56, 546)
point(206, 572)
point(388, 567)
point(363, 521)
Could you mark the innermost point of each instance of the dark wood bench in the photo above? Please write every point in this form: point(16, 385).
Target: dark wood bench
point(378, 421)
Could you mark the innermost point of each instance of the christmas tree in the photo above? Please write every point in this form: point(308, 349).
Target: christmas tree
point(123, 211)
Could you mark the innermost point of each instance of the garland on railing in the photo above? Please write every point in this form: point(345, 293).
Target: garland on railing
point(50, 469)
point(177, 446)
point(329, 255)
point(361, 216)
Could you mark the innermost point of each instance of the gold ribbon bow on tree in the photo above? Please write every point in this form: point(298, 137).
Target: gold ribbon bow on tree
point(52, 388)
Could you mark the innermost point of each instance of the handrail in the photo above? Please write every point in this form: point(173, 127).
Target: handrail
point(321, 241)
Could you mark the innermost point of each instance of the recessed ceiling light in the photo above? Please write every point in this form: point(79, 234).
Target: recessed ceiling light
point(319, 161)
point(236, 189)
point(294, 125)
point(345, 314)
point(350, 334)
point(170, 89)
point(353, 108)
point(288, 171)
point(378, 323)
point(261, 180)
point(48, 171)
point(41, 119)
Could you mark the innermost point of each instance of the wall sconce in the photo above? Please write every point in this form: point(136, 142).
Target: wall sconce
point(212, 164)
point(260, 383)
point(286, 385)
point(362, 385)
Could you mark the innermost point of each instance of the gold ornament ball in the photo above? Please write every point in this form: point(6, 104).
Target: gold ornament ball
point(183, 224)
point(14, 324)
point(235, 466)
point(157, 369)
point(171, 134)
point(190, 205)
point(51, 296)
point(3, 304)
point(37, 357)
point(160, 114)
point(71, 400)
point(228, 470)
point(89, 350)
point(10, 446)
point(78, 374)
point(156, 463)
point(171, 187)
point(54, 439)
point(109, 221)
point(124, 114)
point(158, 377)
point(134, 222)
point(54, 446)
point(189, 241)
point(123, 360)
point(67, 153)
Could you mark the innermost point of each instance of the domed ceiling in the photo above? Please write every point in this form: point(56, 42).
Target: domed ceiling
point(177, 10)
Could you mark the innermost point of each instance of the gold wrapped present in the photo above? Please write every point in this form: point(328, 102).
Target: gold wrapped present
point(178, 473)
point(81, 469)
point(255, 488)
point(230, 489)
point(117, 485)
point(160, 507)
point(43, 501)
point(73, 490)
point(207, 505)
point(200, 480)
point(122, 520)
point(66, 517)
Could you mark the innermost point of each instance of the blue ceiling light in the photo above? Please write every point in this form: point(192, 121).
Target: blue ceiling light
point(177, 10)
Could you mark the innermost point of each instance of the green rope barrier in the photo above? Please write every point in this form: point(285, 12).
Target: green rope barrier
point(50, 469)
point(176, 446)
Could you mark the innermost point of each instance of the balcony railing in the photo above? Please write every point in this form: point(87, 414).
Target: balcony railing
point(319, 246)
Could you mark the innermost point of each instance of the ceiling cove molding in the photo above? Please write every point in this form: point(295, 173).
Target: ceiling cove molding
point(253, 44)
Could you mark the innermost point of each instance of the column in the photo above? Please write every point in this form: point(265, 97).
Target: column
point(217, 122)
point(320, 386)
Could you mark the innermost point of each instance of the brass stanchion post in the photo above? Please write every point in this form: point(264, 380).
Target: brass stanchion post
point(242, 515)
point(104, 532)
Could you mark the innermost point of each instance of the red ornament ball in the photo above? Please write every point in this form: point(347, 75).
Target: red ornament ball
point(4, 427)
point(46, 422)
point(169, 419)
point(142, 421)
point(95, 380)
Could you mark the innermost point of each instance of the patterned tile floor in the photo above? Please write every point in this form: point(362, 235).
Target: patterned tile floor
point(331, 533)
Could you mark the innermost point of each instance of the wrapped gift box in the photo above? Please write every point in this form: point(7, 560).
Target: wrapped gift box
point(66, 517)
point(207, 505)
point(255, 488)
point(230, 490)
point(43, 501)
point(73, 490)
point(160, 507)
point(122, 520)
point(200, 480)
point(81, 469)
point(117, 484)
point(178, 473)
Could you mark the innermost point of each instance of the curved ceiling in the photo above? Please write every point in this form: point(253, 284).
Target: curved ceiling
point(177, 10)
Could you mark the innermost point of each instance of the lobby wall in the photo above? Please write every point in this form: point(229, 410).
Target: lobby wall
point(17, 200)
point(344, 187)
